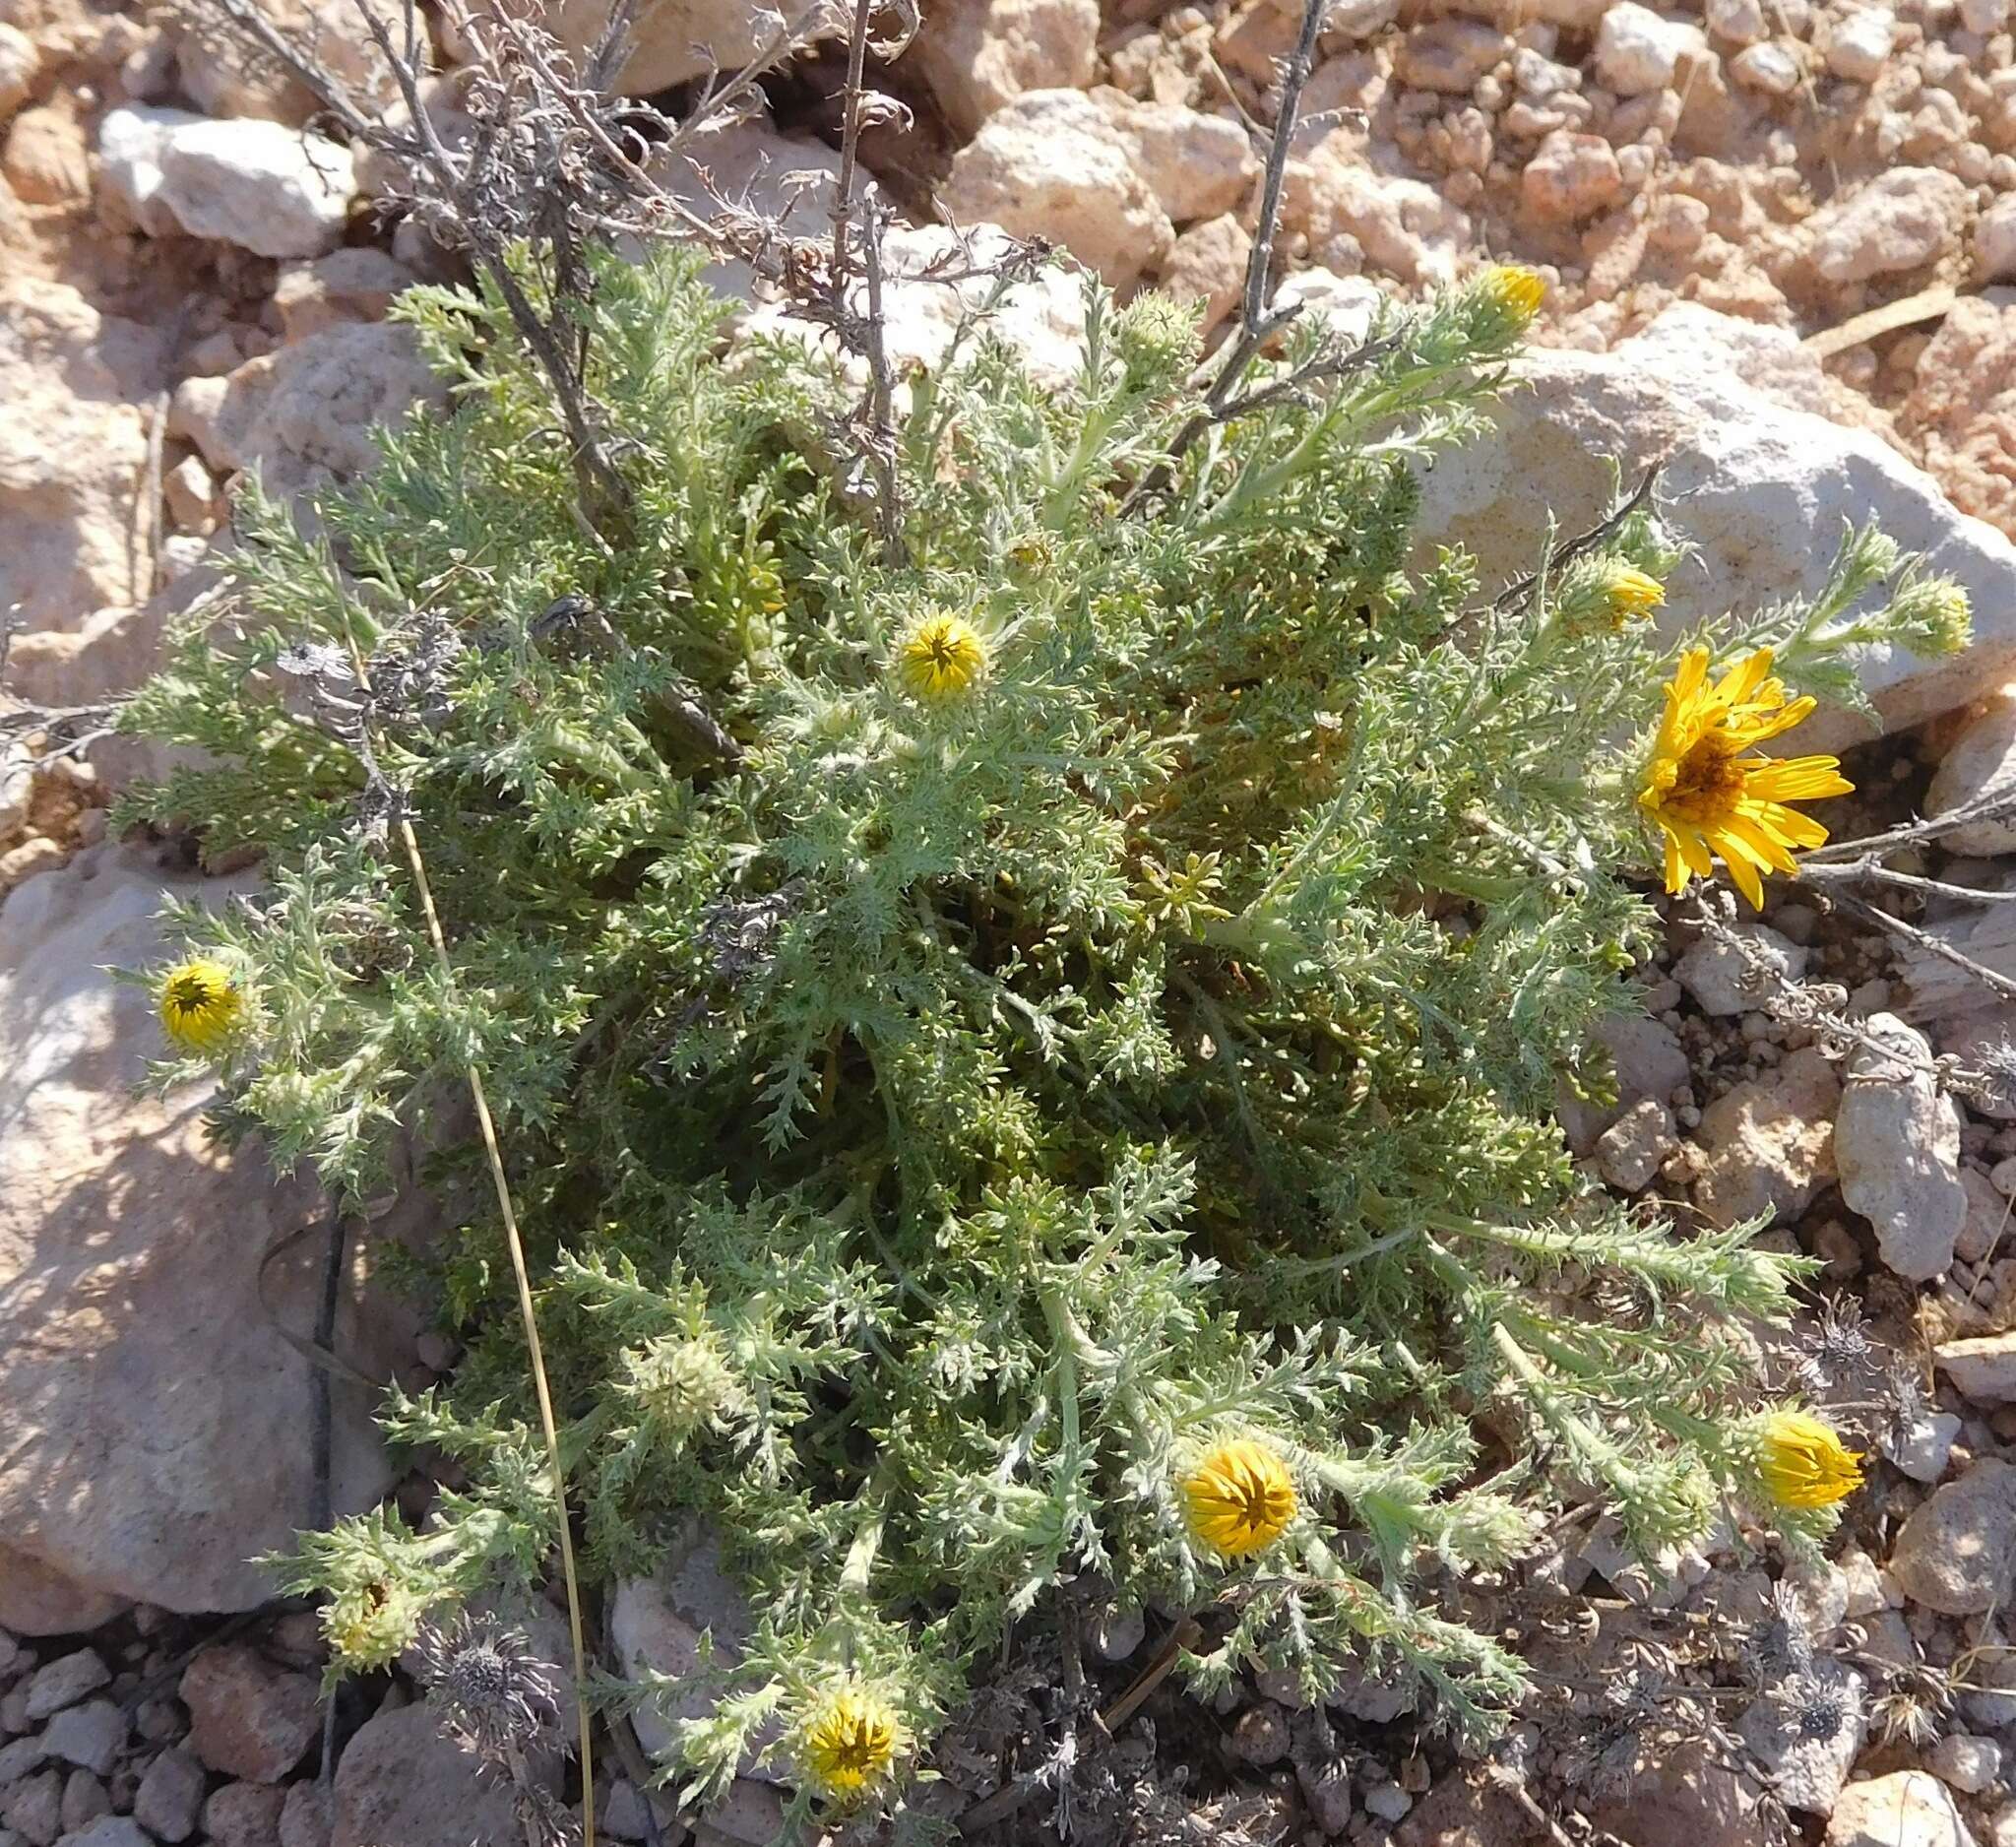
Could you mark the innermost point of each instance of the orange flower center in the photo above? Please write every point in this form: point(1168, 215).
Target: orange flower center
point(1707, 783)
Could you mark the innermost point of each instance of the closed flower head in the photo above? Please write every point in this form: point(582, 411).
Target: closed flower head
point(1515, 290)
point(1239, 1498)
point(1606, 594)
point(851, 1744)
point(370, 1624)
point(1631, 593)
point(199, 1004)
point(941, 658)
point(1710, 798)
point(1805, 1463)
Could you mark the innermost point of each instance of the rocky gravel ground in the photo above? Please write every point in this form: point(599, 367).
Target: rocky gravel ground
point(1777, 235)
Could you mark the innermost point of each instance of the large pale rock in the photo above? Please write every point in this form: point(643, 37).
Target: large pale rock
point(278, 192)
point(1979, 766)
point(1961, 411)
point(1957, 1552)
point(73, 452)
point(1042, 319)
point(657, 1623)
point(222, 82)
point(131, 142)
point(1906, 1809)
point(153, 1440)
point(1763, 490)
point(1052, 165)
point(305, 416)
point(1984, 1370)
point(1807, 1772)
point(672, 40)
point(1638, 50)
point(978, 55)
point(1770, 1142)
point(273, 190)
point(1902, 219)
point(401, 1780)
point(1897, 1150)
point(1197, 166)
point(1404, 226)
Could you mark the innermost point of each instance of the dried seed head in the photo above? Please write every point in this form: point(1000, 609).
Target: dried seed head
point(1813, 1709)
point(1778, 1644)
point(493, 1695)
point(1840, 1345)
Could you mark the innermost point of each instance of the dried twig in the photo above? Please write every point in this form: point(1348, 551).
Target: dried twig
point(1914, 833)
point(1259, 319)
point(1515, 595)
point(143, 571)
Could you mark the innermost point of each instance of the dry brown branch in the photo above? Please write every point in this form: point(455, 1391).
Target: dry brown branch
point(1259, 319)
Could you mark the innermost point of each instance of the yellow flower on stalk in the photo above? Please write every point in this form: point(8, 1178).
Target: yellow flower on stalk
point(1515, 290)
point(1711, 799)
point(941, 658)
point(200, 1002)
point(851, 1744)
point(1805, 1463)
point(1239, 1498)
point(1631, 594)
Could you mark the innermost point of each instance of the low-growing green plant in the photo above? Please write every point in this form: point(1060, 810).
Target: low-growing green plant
point(1026, 1049)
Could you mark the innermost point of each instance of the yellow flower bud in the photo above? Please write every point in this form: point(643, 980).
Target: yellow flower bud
point(1805, 1463)
point(941, 658)
point(1516, 291)
point(851, 1745)
point(1239, 1498)
point(201, 1003)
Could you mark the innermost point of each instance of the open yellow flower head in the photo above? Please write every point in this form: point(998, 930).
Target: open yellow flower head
point(1517, 291)
point(851, 1745)
point(1805, 1463)
point(201, 1003)
point(940, 658)
point(1239, 1498)
point(1710, 798)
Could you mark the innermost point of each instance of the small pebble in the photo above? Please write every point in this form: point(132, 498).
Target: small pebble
point(1261, 1734)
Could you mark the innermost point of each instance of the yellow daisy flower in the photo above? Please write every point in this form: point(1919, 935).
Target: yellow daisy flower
point(1710, 798)
point(1516, 291)
point(1239, 1498)
point(1805, 1463)
point(851, 1745)
point(201, 1003)
point(941, 658)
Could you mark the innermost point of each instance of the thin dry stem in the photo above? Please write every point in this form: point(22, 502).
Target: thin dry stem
point(494, 1155)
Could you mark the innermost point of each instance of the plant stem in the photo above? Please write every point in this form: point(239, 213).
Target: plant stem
point(548, 1429)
